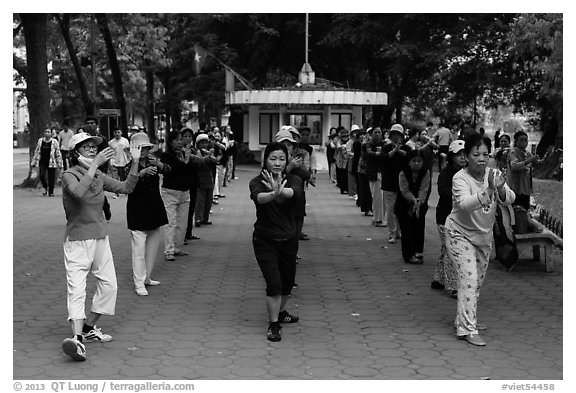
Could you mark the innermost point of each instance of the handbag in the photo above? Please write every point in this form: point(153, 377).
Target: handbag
point(521, 216)
point(504, 240)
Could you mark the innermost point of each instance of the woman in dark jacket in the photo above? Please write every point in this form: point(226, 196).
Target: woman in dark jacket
point(445, 276)
point(145, 215)
point(175, 194)
point(411, 206)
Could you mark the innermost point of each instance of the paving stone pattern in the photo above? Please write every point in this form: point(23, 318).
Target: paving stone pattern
point(365, 314)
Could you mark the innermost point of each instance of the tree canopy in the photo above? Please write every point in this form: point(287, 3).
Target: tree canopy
point(448, 65)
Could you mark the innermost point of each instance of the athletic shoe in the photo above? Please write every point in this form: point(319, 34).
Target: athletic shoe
point(274, 331)
point(142, 292)
point(285, 317)
point(96, 335)
point(170, 257)
point(74, 348)
point(152, 283)
point(181, 253)
point(392, 239)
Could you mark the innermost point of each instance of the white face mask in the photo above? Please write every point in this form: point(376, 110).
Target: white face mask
point(85, 161)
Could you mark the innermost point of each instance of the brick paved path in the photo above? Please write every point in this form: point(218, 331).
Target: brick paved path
point(364, 313)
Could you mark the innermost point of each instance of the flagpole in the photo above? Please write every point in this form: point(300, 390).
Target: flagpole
point(306, 41)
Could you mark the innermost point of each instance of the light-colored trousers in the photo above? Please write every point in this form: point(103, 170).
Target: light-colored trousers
point(219, 180)
point(377, 198)
point(445, 272)
point(145, 245)
point(176, 204)
point(389, 202)
point(228, 170)
point(471, 264)
point(333, 172)
point(89, 256)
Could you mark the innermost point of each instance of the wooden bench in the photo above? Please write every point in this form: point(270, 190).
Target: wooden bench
point(535, 240)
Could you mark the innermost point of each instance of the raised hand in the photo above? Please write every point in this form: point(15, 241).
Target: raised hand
point(103, 157)
point(135, 150)
point(495, 179)
point(274, 183)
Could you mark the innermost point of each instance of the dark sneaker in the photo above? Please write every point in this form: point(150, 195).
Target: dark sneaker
point(274, 331)
point(436, 285)
point(74, 348)
point(96, 335)
point(285, 317)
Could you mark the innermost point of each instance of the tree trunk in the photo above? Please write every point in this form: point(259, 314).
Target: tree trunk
point(64, 22)
point(150, 103)
point(102, 20)
point(37, 91)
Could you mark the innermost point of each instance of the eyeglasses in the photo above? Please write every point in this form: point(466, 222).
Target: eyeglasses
point(90, 147)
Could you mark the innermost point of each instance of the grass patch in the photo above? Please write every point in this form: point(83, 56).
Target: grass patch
point(549, 194)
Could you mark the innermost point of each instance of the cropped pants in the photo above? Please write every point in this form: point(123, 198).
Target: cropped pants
point(89, 256)
point(277, 261)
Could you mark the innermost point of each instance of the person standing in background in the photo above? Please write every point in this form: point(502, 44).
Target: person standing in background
point(341, 158)
point(373, 156)
point(48, 158)
point(411, 206)
point(121, 148)
point(352, 163)
point(145, 215)
point(443, 138)
point(330, 152)
point(64, 138)
point(175, 194)
point(394, 158)
point(520, 163)
point(445, 276)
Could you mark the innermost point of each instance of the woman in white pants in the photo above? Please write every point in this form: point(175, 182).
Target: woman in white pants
point(476, 191)
point(145, 214)
point(86, 245)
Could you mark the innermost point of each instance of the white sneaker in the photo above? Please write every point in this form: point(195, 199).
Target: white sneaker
point(152, 283)
point(74, 348)
point(96, 335)
point(392, 239)
point(142, 291)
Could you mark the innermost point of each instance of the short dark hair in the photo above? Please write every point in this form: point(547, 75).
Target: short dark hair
point(412, 132)
point(273, 146)
point(91, 118)
point(186, 130)
point(518, 134)
point(472, 141)
point(170, 137)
